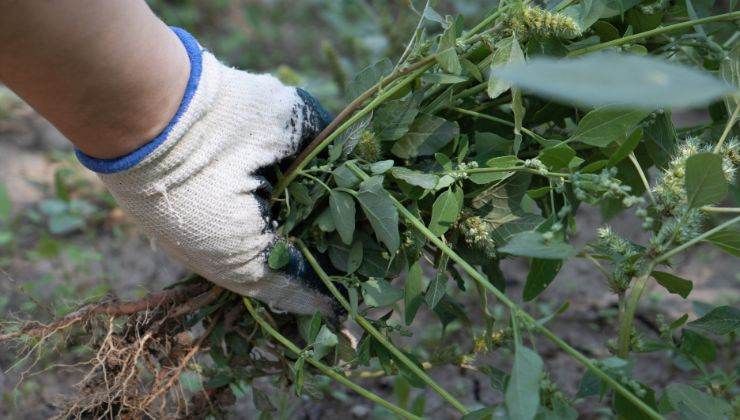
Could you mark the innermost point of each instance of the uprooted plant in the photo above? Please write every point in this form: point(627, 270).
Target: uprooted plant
point(462, 154)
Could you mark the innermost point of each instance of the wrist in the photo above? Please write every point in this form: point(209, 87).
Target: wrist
point(151, 125)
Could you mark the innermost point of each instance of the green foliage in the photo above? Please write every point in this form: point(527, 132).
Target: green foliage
point(705, 180)
point(463, 180)
point(523, 390)
point(721, 320)
point(673, 283)
point(604, 125)
point(279, 256)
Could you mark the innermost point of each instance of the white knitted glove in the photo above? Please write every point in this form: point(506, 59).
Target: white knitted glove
point(194, 187)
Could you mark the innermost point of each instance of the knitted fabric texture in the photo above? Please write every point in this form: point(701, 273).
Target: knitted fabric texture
point(195, 192)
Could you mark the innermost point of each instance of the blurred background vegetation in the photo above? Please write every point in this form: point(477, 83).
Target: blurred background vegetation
point(315, 44)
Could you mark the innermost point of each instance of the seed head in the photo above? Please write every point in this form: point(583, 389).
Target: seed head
point(368, 148)
point(535, 21)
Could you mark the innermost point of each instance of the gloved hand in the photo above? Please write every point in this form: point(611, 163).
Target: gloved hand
point(194, 188)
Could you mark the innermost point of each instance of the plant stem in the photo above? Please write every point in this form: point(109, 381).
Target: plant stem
point(407, 50)
point(326, 370)
point(483, 281)
point(367, 326)
point(628, 314)
point(498, 120)
point(721, 209)
point(645, 182)
point(657, 31)
point(487, 20)
point(309, 176)
point(699, 238)
point(596, 264)
point(517, 169)
point(727, 129)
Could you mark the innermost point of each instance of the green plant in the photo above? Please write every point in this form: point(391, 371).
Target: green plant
point(468, 151)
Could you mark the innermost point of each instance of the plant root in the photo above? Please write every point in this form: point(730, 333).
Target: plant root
point(141, 349)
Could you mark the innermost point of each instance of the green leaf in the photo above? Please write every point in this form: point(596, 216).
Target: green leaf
point(345, 177)
point(705, 181)
point(507, 52)
point(444, 212)
point(443, 79)
point(523, 391)
point(401, 390)
point(472, 69)
point(557, 157)
point(314, 325)
point(53, 207)
point(430, 14)
point(325, 342)
point(501, 162)
point(61, 224)
point(367, 77)
point(380, 211)
point(720, 320)
point(381, 167)
point(696, 345)
point(342, 207)
point(531, 244)
point(541, 274)
point(298, 368)
point(436, 289)
point(673, 283)
point(279, 256)
point(561, 410)
point(378, 293)
point(627, 410)
point(417, 406)
point(5, 205)
point(354, 260)
point(415, 178)
point(615, 79)
point(325, 221)
point(625, 148)
point(603, 125)
point(692, 404)
point(299, 192)
point(446, 55)
point(392, 119)
point(660, 138)
point(426, 135)
point(191, 381)
point(412, 297)
point(726, 239)
point(586, 12)
point(443, 100)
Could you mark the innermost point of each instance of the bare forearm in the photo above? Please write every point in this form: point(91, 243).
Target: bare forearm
point(108, 74)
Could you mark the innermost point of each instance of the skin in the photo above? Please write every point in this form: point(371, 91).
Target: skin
point(108, 74)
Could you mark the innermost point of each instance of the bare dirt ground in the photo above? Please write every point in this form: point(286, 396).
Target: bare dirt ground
point(130, 266)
